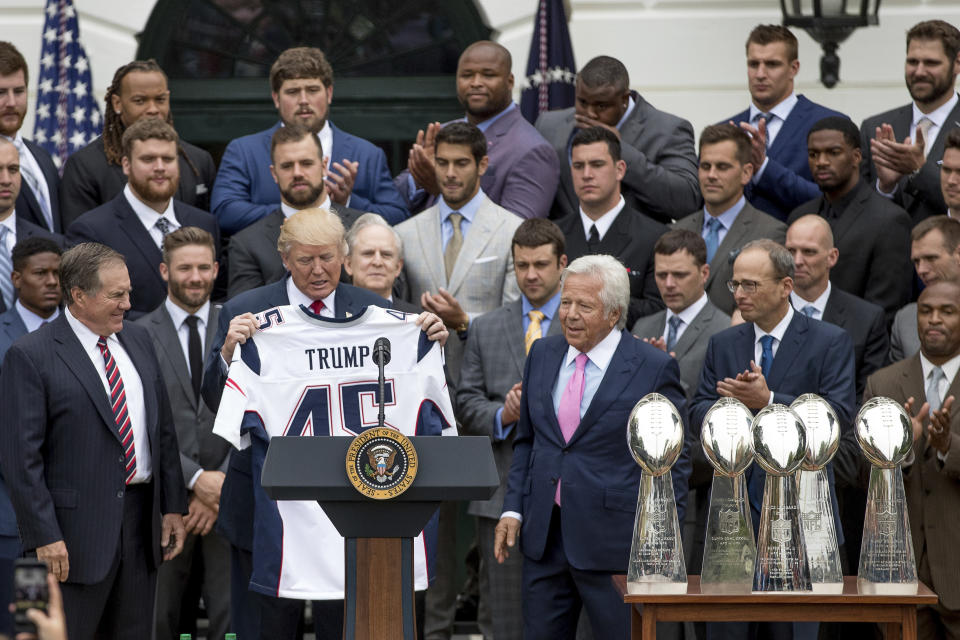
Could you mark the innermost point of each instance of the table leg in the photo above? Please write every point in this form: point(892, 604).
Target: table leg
point(649, 621)
point(893, 630)
point(909, 623)
point(636, 622)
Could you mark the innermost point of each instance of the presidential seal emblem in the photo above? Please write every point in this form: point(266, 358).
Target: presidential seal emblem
point(381, 463)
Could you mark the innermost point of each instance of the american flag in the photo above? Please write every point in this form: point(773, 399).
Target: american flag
point(551, 70)
point(68, 116)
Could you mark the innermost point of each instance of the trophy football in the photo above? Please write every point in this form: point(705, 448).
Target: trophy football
point(779, 446)
point(729, 550)
point(887, 564)
point(816, 507)
point(655, 438)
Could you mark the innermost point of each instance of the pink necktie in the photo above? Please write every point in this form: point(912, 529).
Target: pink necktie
point(568, 414)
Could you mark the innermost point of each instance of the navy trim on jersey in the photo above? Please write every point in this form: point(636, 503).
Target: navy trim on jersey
point(430, 420)
point(424, 346)
point(250, 356)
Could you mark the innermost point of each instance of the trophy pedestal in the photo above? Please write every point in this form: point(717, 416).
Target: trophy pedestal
point(656, 554)
point(729, 550)
point(819, 532)
point(781, 557)
point(887, 564)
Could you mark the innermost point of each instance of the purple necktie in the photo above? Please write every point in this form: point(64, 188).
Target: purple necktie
point(568, 414)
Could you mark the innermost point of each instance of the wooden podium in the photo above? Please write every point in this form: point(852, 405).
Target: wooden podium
point(378, 545)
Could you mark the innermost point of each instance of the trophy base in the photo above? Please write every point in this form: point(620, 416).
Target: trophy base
point(638, 588)
point(867, 588)
point(827, 587)
point(724, 587)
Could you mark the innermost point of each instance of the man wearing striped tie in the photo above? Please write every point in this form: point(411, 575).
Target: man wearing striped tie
point(488, 401)
point(89, 451)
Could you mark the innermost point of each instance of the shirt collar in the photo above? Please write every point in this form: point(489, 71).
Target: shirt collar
point(691, 312)
point(820, 304)
point(297, 297)
point(604, 222)
point(631, 105)
point(778, 331)
point(289, 211)
point(31, 320)
point(468, 211)
point(483, 126)
point(950, 368)
point(88, 339)
point(601, 354)
point(938, 116)
point(728, 217)
point(179, 315)
point(781, 110)
point(549, 307)
point(10, 222)
point(148, 217)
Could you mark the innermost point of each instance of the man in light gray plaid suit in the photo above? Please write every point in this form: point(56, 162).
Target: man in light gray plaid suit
point(488, 398)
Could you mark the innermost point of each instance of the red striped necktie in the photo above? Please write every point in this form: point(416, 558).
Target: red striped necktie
point(118, 402)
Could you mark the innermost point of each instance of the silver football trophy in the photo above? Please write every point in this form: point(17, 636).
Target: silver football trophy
point(779, 446)
point(655, 438)
point(816, 507)
point(887, 564)
point(729, 550)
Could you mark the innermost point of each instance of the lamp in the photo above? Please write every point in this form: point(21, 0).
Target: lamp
point(829, 22)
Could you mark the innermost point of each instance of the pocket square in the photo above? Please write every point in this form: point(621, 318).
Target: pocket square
point(485, 259)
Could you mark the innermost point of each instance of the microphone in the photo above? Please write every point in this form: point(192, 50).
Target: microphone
point(381, 356)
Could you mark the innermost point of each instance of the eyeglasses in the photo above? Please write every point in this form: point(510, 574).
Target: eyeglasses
point(748, 286)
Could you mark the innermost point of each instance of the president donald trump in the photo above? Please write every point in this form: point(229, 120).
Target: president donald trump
point(572, 489)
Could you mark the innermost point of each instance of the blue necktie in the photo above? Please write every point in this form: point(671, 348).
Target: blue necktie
point(6, 268)
point(674, 323)
point(808, 310)
point(766, 355)
point(712, 238)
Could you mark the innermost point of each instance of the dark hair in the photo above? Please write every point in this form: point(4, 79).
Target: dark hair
point(11, 61)
point(187, 236)
point(604, 71)
point(850, 131)
point(147, 129)
point(952, 140)
point(948, 227)
point(682, 240)
point(764, 34)
point(80, 267)
point(946, 33)
point(716, 133)
point(112, 124)
point(293, 133)
point(780, 258)
point(598, 134)
point(29, 247)
point(466, 134)
point(298, 63)
point(537, 232)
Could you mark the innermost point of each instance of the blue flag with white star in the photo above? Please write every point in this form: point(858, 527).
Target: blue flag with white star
point(551, 71)
point(68, 116)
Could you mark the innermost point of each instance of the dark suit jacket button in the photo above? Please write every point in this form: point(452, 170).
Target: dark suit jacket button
point(120, 493)
point(553, 481)
point(121, 459)
point(566, 451)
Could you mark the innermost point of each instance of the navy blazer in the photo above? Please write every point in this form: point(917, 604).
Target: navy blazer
point(245, 191)
point(64, 462)
point(600, 477)
point(235, 520)
point(11, 328)
point(27, 206)
point(787, 182)
point(814, 357)
point(116, 225)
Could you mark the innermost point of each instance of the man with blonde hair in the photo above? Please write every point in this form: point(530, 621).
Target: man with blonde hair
point(312, 247)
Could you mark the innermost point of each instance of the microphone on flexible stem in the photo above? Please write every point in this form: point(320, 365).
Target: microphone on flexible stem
point(381, 356)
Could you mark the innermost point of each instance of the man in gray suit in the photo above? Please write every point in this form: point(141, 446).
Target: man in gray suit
point(299, 170)
point(458, 266)
point(488, 401)
point(907, 171)
point(727, 221)
point(661, 178)
point(180, 329)
point(935, 251)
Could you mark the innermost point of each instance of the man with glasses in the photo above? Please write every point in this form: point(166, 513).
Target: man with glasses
point(776, 355)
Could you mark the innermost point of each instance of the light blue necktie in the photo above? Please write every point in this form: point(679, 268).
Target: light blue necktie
point(933, 389)
point(768, 118)
point(6, 268)
point(766, 355)
point(808, 310)
point(674, 323)
point(712, 238)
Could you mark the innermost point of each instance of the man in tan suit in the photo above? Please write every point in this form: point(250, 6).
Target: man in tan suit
point(927, 384)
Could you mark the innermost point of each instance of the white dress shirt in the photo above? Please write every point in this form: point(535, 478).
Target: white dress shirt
point(132, 386)
point(604, 222)
point(31, 320)
point(819, 305)
point(937, 117)
point(686, 317)
point(777, 333)
point(297, 298)
point(179, 316)
point(148, 217)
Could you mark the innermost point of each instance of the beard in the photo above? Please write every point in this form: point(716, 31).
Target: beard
point(304, 198)
point(940, 86)
point(191, 298)
point(151, 193)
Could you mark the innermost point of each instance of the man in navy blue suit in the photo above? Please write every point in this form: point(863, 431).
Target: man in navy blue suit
point(777, 355)
point(572, 489)
point(135, 222)
point(301, 82)
point(313, 249)
point(778, 120)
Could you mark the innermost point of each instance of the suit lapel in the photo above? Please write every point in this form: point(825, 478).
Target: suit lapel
point(342, 146)
point(912, 382)
point(50, 175)
point(733, 239)
point(543, 387)
point(13, 325)
point(791, 128)
point(482, 230)
point(130, 224)
point(835, 310)
point(431, 244)
point(619, 374)
point(952, 122)
point(170, 344)
point(789, 348)
point(513, 328)
point(691, 335)
point(618, 236)
point(71, 352)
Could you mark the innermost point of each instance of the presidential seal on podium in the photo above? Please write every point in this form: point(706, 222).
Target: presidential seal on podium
point(381, 463)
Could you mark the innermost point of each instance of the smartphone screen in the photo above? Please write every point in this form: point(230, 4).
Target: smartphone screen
point(29, 591)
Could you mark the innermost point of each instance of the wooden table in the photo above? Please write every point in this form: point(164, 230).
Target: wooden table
point(897, 613)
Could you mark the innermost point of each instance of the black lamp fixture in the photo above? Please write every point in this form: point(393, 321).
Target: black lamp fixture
point(829, 22)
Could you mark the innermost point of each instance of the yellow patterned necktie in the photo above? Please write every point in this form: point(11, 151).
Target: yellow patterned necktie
point(533, 329)
point(453, 245)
